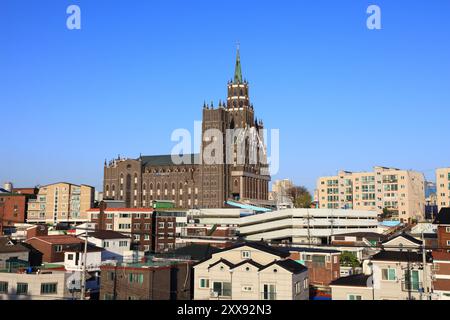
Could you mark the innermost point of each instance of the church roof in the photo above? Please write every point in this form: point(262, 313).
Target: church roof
point(237, 69)
point(165, 160)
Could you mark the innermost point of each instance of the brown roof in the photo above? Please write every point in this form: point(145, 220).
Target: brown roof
point(7, 246)
point(58, 239)
point(107, 234)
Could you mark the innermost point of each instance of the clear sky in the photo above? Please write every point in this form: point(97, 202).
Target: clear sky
point(343, 96)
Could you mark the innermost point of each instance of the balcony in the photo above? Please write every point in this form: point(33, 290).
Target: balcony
point(268, 296)
point(413, 286)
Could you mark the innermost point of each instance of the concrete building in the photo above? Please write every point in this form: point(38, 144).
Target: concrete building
point(306, 225)
point(12, 210)
point(45, 285)
point(116, 245)
point(443, 187)
point(61, 203)
point(400, 192)
point(280, 193)
point(250, 271)
point(74, 258)
point(146, 280)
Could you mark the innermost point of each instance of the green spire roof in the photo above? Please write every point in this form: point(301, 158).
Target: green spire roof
point(237, 69)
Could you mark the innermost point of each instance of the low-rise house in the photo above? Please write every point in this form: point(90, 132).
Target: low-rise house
point(53, 247)
point(74, 258)
point(402, 241)
point(358, 238)
point(353, 287)
point(11, 251)
point(441, 256)
point(146, 280)
point(323, 265)
point(42, 285)
point(250, 271)
point(115, 244)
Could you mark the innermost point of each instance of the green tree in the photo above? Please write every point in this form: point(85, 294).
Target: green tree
point(300, 197)
point(349, 259)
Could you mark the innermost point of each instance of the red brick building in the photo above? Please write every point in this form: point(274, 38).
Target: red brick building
point(12, 210)
point(53, 247)
point(441, 255)
point(151, 230)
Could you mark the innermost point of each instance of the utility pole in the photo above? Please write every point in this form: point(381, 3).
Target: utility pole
point(83, 269)
point(425, 271)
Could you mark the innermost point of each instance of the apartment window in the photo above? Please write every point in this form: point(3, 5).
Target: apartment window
point(448, 242)
point(58, 248)
point(106, 244)
point(146, 237)
point(204, 283)
point(161, 225)
point(70, 257)
point(305, 283)
point(123, 243)
point(147, 226)
point(109, 226)
point(222, 289)
point(22, 288)
point(447, 229)
point(49, 288)
point(298, 287)
point(169, 224)
point(123, 226)
point(354, 297)
point(136, 278)
point(3, 287)
point(246, 255)
point(389, 274)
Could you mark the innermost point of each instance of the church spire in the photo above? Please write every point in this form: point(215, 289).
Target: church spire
point(237, 69)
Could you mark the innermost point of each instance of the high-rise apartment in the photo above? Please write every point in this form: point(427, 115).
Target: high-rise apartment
point(443, 187)
point(398, 194)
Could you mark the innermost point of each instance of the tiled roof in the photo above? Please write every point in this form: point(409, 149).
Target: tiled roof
point(312, 250)
point(262, 246)
point(58, 239)
point(107, 235)
point(164, 160)
point(443, 217)
point(400, 256)
point(355, 280)
point(7, 246)
point(406, 236)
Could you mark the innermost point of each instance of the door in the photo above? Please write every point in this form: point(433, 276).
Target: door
point(269, 292)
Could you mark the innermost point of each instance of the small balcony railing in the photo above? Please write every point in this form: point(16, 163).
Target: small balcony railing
point(411, 286)
point(268, 296)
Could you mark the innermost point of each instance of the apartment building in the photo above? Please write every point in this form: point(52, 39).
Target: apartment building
point(61, 203)
point(443, 187)
point(250, 271)
point(399, 193)
point(150, 230)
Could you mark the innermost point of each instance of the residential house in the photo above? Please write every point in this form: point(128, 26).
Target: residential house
point(54, 247)
point(250, 271)
point(10, 251)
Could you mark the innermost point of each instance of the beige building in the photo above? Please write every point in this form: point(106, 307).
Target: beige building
point(61, 202)
point(391, 274)
point(443, 187)
point(250, 271)
point(402, 192)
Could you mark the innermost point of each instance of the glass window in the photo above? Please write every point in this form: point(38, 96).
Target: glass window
point(3, 287)
point(204, 283)
point(22, 288)
point(354, 297)
point(49, 288)
point(389, 274)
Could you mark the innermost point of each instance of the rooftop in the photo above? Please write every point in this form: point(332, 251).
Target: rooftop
point(58, 239)
point(107, 235)
point(400, 256)
point(8, 246)
point(443, 217)
point(165, 160)
point(355, 280)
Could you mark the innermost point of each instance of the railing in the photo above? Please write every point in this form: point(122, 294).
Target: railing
point(268, 296)
point(411, 286)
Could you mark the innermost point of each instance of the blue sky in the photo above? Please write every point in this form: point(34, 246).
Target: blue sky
point(343, 96)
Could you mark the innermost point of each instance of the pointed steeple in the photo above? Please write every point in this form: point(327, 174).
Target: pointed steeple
point(237, 69)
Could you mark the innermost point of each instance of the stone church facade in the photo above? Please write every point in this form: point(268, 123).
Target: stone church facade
point(197, 183)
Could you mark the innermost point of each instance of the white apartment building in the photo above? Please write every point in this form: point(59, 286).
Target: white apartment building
point(402, 192)
point(250, 271)
point(443, 187)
